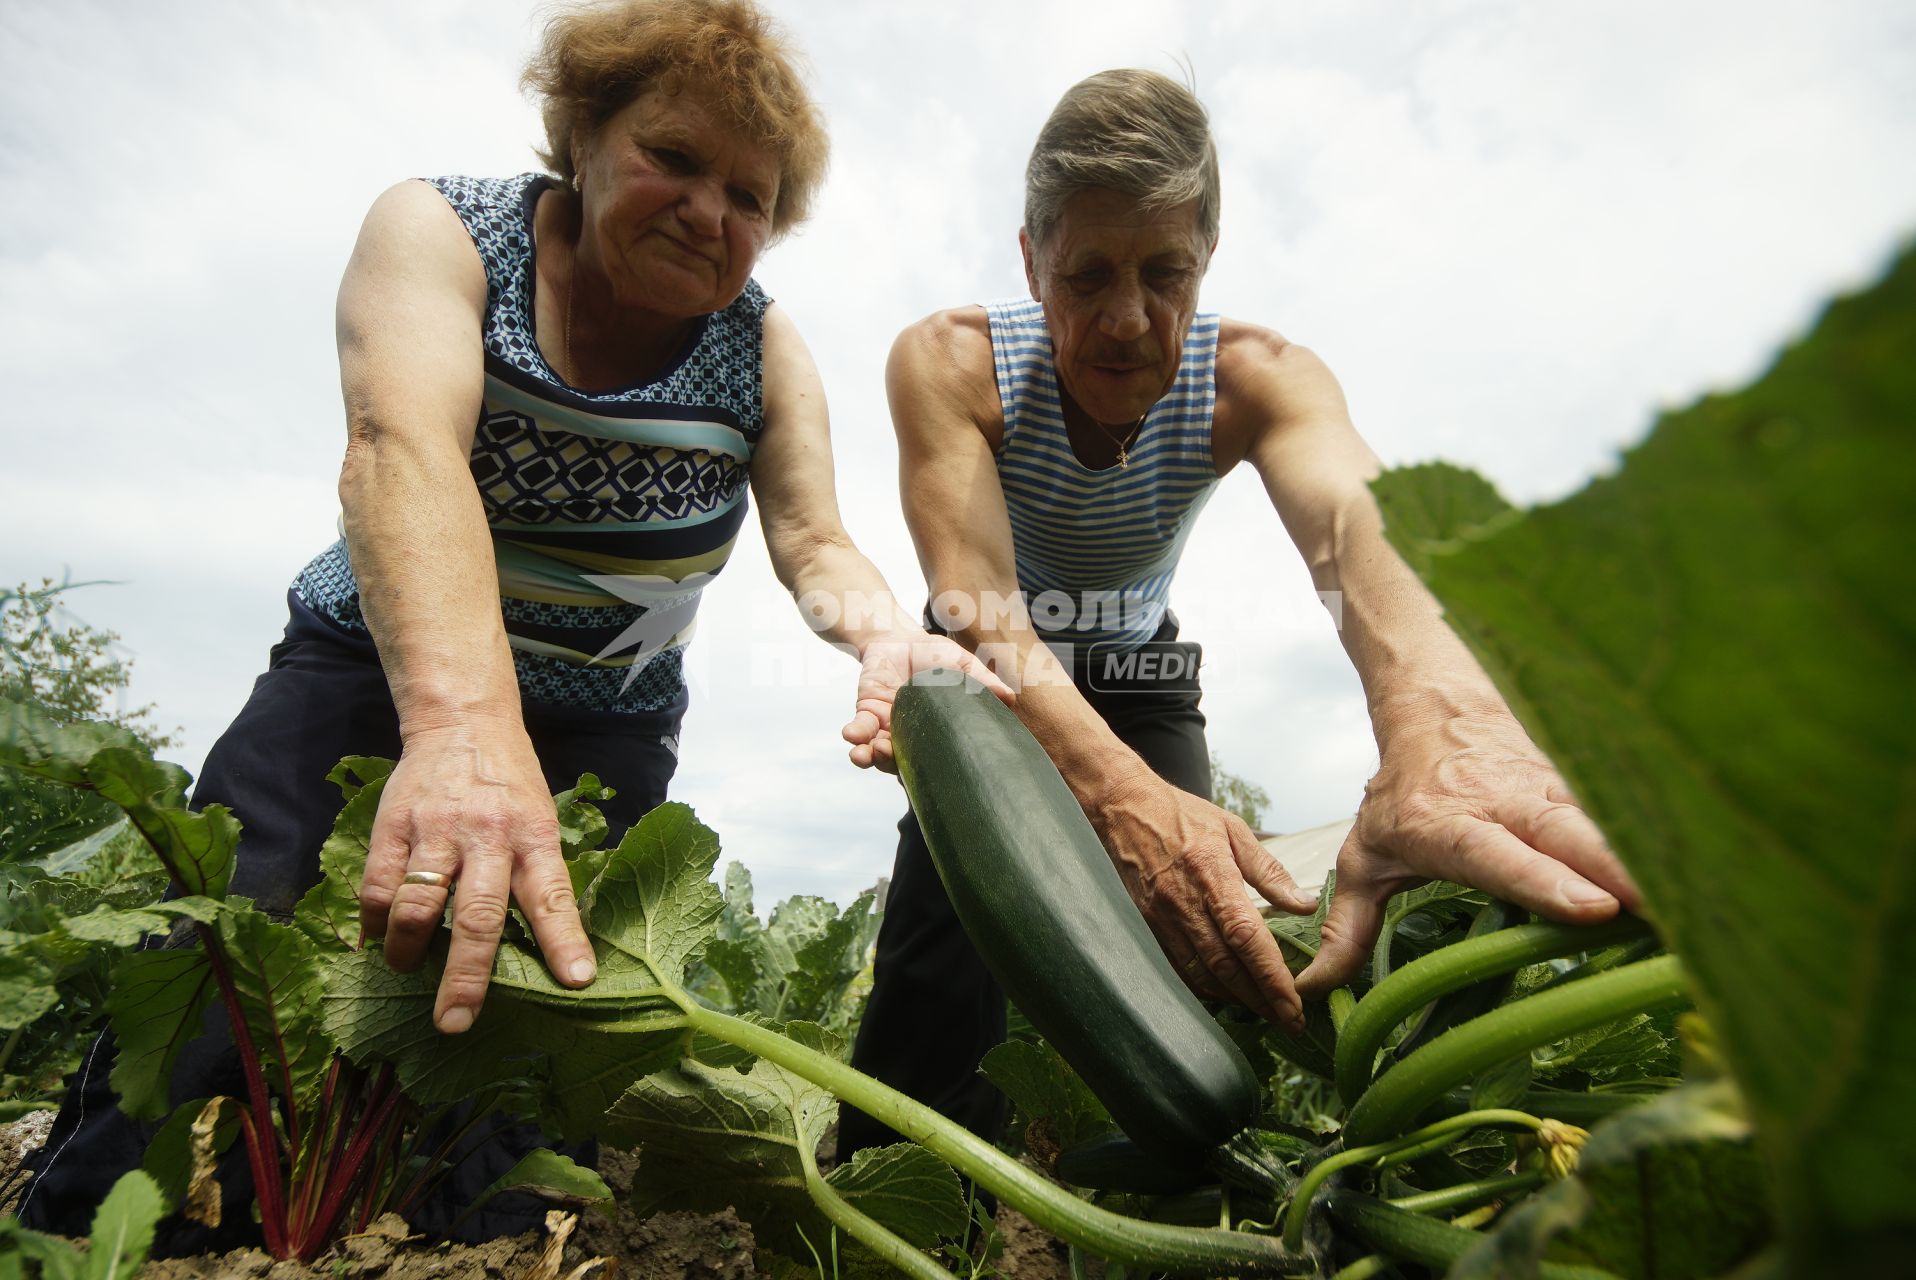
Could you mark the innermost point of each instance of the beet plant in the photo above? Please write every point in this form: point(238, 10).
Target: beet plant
point(329, 1144)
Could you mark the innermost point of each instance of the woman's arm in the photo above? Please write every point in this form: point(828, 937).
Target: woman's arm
point(814, 557)
point(468, 799)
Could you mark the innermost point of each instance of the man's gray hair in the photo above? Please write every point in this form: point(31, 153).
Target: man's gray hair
point(1135, 132)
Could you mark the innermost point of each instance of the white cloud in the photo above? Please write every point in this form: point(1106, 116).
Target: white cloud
point(1514, 231)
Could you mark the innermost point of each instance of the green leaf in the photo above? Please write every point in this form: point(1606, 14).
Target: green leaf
point(197, 847)
point(552, 1177)
point(56, 1259)
point(117, 928)
point(329, 912)
point(736, 962)
point(1501, 1086)
point(582, 827)
point(652, 910)
point(1629, 1049)
point(654, 904)
point(801, 966)
point(737, 919)
point(27, 988)
point(123, 1227)
point(1710, 644)
point(354, 773)
point(156, 1003)
point(907, 1189)
point(1043, 1087)
point(715, 1137)
point(1671, 1190)
point(827, 963)
point(278, 977)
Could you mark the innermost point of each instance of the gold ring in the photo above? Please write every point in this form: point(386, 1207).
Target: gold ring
point(437, 879)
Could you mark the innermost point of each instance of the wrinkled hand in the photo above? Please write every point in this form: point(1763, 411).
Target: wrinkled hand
point(1185, 863)
point(886, 666)
point(1471, 800)
point(470, 804)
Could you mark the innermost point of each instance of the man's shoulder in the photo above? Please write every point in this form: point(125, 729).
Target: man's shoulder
point(1264, 381)
point(946, 349)
point(1243, 347)
point(1260, 363)
point(946, 359)
point(962, 334)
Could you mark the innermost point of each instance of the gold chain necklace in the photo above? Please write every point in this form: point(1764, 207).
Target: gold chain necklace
point(1130, 437)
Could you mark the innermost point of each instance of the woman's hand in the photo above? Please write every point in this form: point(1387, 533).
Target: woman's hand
point(890, 662)
point(466, 814)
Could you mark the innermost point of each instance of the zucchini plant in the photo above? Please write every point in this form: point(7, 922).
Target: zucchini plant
point(1121, 1035)
point(1710, 645)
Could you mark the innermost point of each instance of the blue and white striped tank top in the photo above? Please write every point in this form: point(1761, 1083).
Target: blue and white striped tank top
point(1096, 550)
point(610, 511)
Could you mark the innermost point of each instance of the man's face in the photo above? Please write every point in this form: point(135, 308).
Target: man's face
point(1119, 286)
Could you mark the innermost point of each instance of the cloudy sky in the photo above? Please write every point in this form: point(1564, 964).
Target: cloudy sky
point(1514, 230)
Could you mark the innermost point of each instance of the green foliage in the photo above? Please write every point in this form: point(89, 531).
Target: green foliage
point(652, 909)
point(329, 912)
point(64, 853)
point(1238, 795)
point(1716, 646)
point(122, 1235)
point(1056, 1110)
point(804, 964)
point(714, 1137)
point(551, 1177)
point(1672, 1189)
point(55, 661)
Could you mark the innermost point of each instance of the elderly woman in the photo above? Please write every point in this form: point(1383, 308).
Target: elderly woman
point(557, 392)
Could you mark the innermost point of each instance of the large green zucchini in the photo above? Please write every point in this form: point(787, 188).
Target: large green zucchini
point(1042, 902)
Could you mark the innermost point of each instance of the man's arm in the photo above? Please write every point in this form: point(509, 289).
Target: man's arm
point(1183, 860)
point(1461, 792)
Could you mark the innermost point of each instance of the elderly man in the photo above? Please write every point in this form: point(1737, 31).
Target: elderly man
point(1054, 453)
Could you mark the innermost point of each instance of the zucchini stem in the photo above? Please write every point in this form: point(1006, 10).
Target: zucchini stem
point(1402, 1093)
point(1452, 968)
point(874, 1235)
point(1410, 1146)
point(1098, 1231)
point(1468, 1195)
point(1412, 1236)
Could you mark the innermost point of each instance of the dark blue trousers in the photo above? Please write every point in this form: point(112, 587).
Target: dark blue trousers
point(322, 697)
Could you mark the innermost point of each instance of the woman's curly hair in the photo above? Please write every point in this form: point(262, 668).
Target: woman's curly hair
point(597, 58)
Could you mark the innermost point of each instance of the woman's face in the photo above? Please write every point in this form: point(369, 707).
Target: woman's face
point(676, 206)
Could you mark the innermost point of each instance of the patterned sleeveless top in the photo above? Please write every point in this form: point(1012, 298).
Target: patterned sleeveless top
point(609, 511)
point(1096, 550)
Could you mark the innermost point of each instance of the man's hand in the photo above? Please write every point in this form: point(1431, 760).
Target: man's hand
point(1185, 862)
point(888, 664)
point(1469, 799)
point(466, 812)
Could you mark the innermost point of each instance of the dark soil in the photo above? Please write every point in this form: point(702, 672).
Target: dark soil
point(594, 1246)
